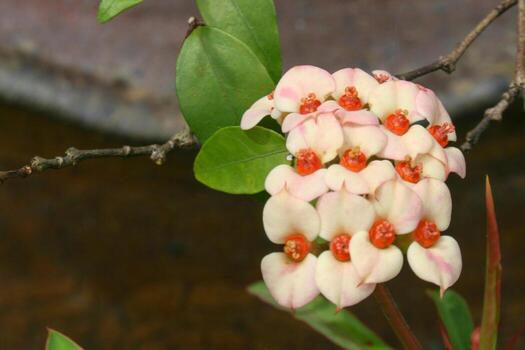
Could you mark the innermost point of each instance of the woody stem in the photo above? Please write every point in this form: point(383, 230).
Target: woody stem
point(395, 318)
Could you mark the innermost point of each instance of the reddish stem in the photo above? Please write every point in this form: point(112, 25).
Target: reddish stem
point(395, 318)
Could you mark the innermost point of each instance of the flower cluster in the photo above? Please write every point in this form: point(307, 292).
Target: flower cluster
point(370, 160)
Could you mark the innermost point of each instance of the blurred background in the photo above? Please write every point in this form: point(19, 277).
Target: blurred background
point(123, 254)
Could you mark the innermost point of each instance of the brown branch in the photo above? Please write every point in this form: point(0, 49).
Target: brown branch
point(516, 87)
point(448, 63)
point(395, 318)
point(73, 156)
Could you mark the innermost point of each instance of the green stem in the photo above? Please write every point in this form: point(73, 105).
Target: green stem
point(395, 318)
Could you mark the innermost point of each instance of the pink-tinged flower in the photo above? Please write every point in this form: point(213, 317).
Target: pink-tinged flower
point(360, 143)
point(305, 187)
point(451, 158)
point(300, 92)
point(353, 86)
point(432, 257)
point(290, 275)
point(398, 210)
point(365, 181)
point(342, 216)
point(315, 142)
point(382, 76)
point(260, 109)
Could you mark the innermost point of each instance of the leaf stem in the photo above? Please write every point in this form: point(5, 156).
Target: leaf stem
point(395, 318)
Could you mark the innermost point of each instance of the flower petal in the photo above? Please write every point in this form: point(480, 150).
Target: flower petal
point(360, 117)
point(376, 173)
point(399, 205)
point(343, 212)
point(260, 109)
point(456, 161)
point(417, 141)
point(306, 187)
point(291, 284)
point(338, 177)
point(363, 82)
point(369, 139)
point(293, 120)
point(440, 264)
point(284, 215)
point(436, 202)
point(300, 81)
point(374, 265)
point(339, 282)
point(322, 134)
point(432, 168)
point(383, 76)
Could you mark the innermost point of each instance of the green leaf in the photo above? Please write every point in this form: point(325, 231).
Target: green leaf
point(237, 161)
point(108, 9)
point(492, 294)
point(58, 341)
point(218, 78)
point(342, 327)
point(455, 315)
point(253, 22)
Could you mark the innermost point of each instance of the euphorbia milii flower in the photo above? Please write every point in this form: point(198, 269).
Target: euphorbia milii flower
point(353, 86)
point(398, 211)
point(432, 257)
point(342, 215)
point(290, 275)
point(315, 142)
point(300, 92)
point(305, 187)
point(382, 76)
point(260, 109)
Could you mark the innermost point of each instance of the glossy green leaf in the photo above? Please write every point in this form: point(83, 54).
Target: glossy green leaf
point(253, 22)
point(108, 9)
point(237, 161)
point(455, 315)
point(342, 328)
point(218, 78)
point(492, 293)
point(58, 341)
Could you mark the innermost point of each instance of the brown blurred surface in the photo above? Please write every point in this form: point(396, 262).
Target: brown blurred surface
point(123, 254)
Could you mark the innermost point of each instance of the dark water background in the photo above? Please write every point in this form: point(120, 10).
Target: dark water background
point(123, 254)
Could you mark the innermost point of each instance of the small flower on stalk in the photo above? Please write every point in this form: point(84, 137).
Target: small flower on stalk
point(290, 275)
point(300, 92)
point(433, 257)
point(342, 216)
point(305, 187)
point(397, 212)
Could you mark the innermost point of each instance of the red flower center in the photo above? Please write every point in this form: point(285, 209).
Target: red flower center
point(408, 171)
point(309, 104)
point(296, 247)
point(353, 159)
point(350, 101)
point(381, 77)
point(440, 132)
point(340, 247)
point(426, 233)
point(307, 162)
point(398, 122)
point(382, 234)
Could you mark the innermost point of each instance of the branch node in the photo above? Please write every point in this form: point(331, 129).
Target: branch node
point(126, 149)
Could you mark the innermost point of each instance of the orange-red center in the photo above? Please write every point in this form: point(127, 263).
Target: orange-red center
point(426, 233)
point(307, 162)
point(350, 100)
point(340, 247)
point(398, 122)
point(309, 104)
point(440, 133)
point(408, 172)
point(382, 234)
point(296, 247)
point(353, 159)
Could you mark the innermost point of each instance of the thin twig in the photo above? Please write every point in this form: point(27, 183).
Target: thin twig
point(516, 87)
point(448, 63)
point(73, 156)
point(395, 318)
